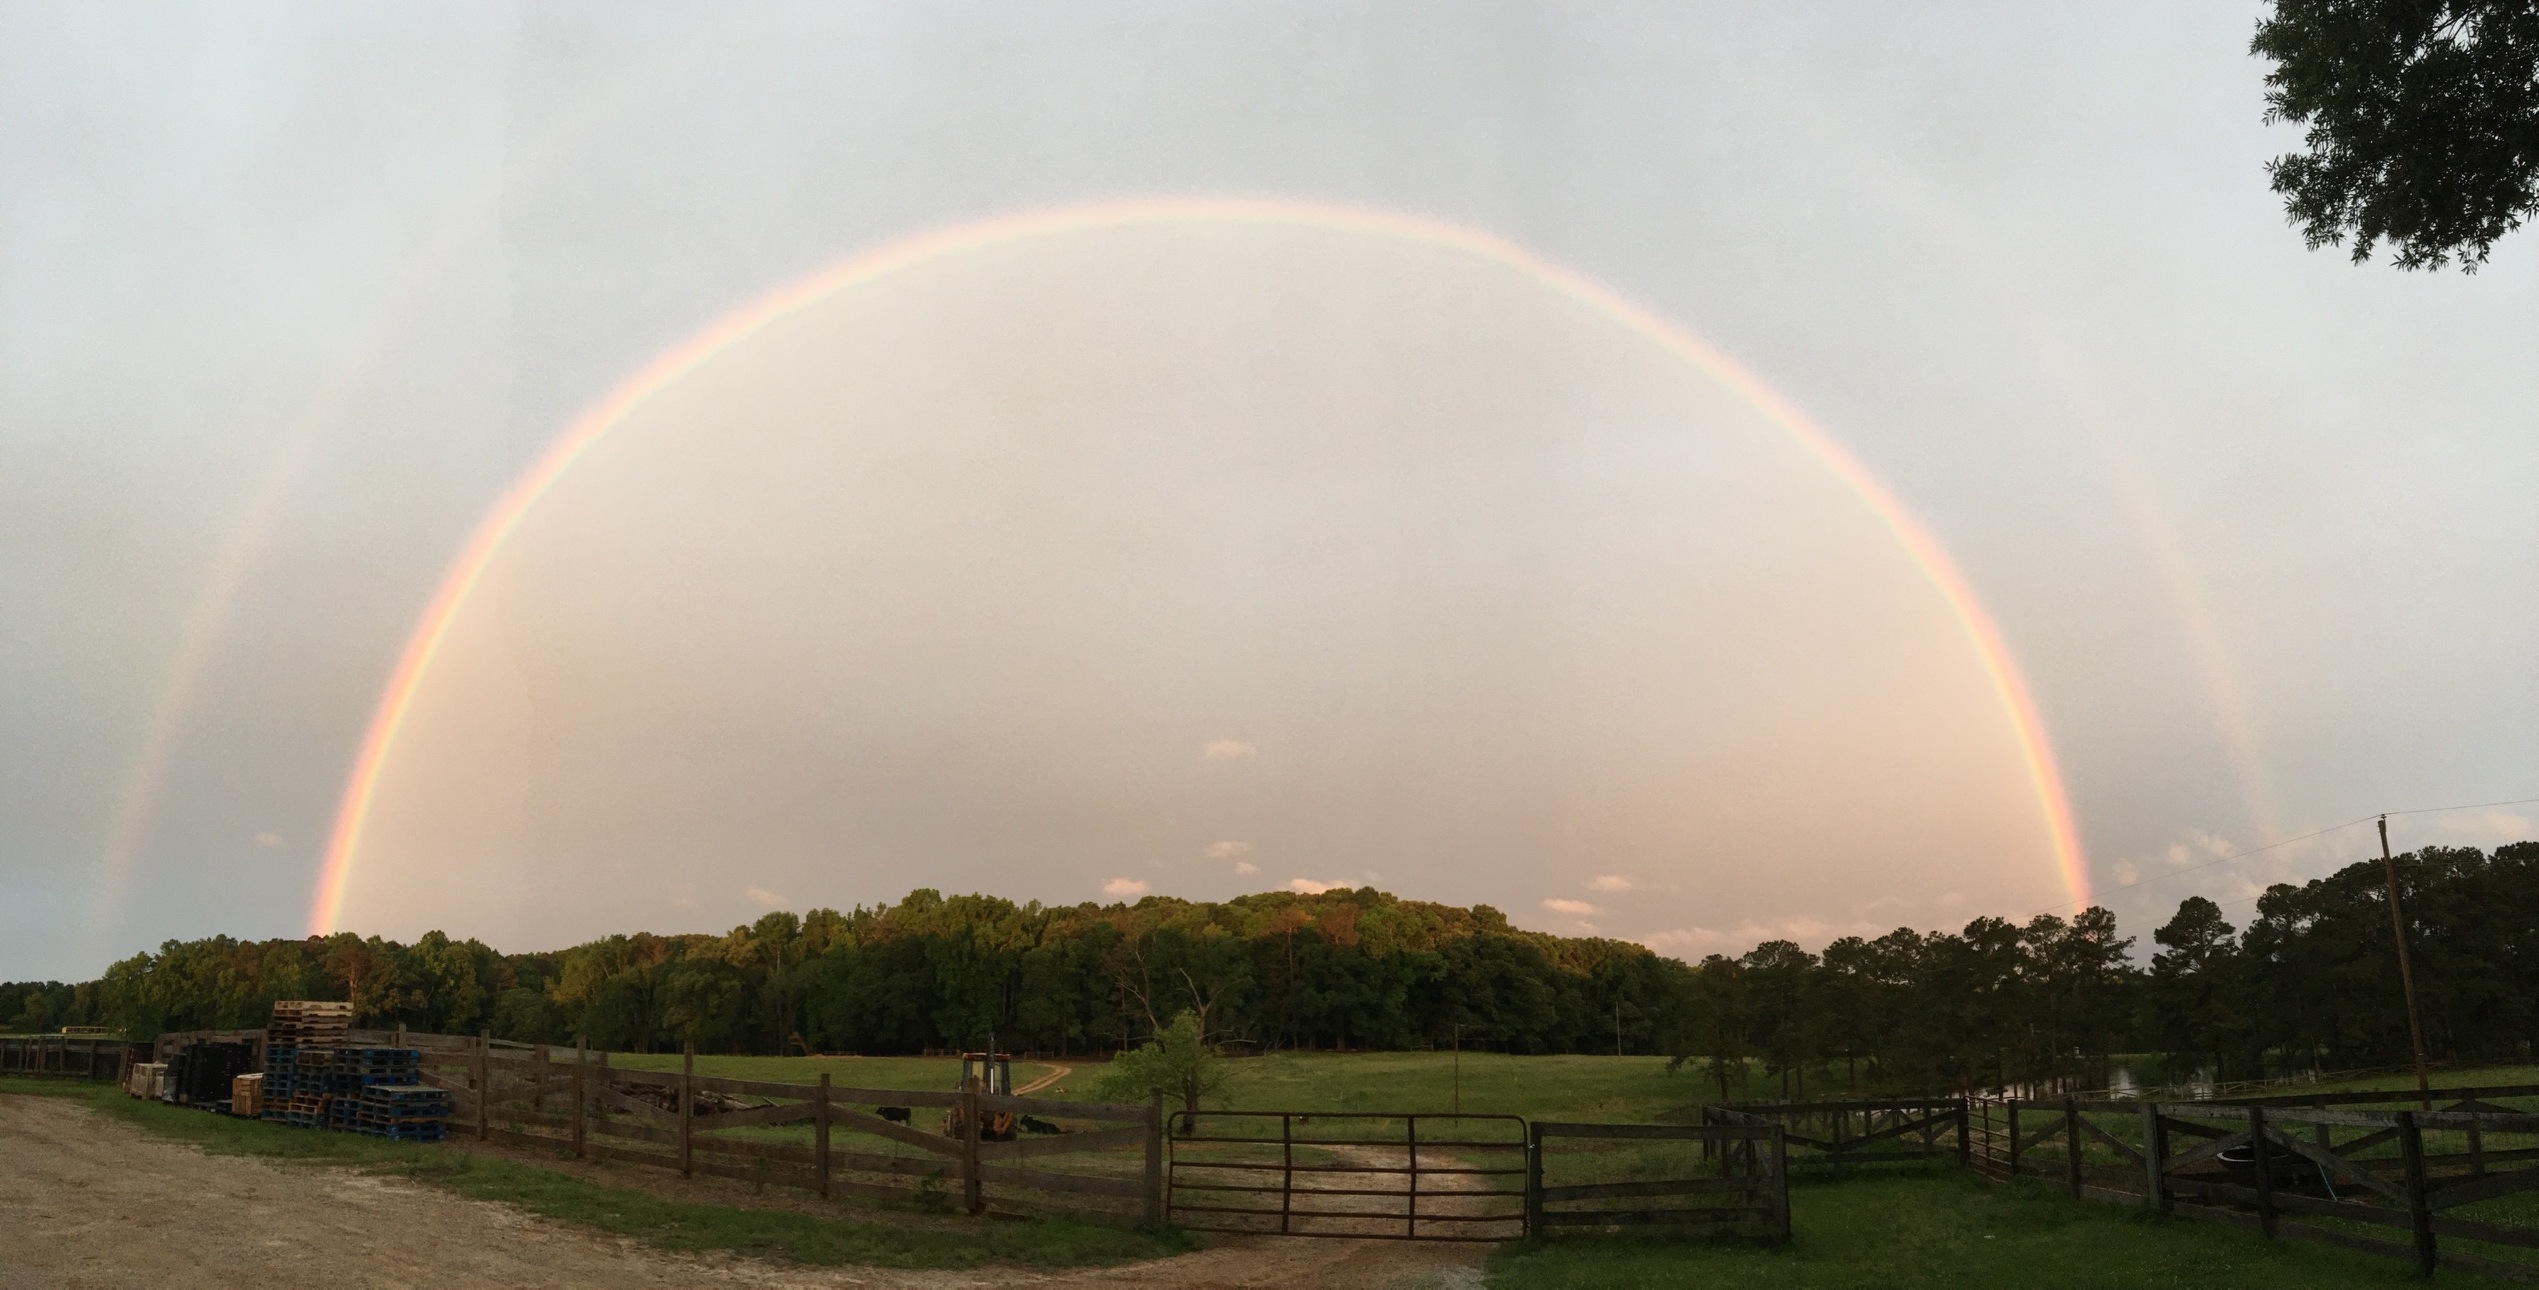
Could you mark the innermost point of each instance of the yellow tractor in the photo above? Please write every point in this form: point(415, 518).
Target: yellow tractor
point(982, 1073)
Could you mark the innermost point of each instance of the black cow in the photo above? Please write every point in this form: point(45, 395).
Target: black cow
point(1034, 1124)
point(894, 1114)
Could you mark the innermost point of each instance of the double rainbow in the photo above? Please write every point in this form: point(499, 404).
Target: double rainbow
point(2009, 687)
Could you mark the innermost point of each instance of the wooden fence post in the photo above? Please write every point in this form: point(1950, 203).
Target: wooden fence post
point(1965, 1151)
point(1534, 1178)
point(2154, 1157)
point(820, 1133)
point(581, 1096)
point(1155, 1157)
point(2011, 1105)
point(2261, 1154)
point(2072, 1143)
point(481, 1079)
point(972, 1195)
point(1781, 1181)
point(687, 1106)
point(2419, 1212)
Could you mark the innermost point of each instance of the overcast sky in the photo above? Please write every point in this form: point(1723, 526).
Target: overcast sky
point(289, 295)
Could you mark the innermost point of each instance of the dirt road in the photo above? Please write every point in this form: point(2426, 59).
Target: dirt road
point(87, 1200)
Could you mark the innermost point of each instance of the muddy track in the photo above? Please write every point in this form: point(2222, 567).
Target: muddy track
point(88, 1200)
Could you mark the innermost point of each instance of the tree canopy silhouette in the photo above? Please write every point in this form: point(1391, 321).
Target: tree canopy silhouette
point(2423, 121)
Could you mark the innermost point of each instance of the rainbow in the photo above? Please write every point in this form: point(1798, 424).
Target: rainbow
point(1928, 556)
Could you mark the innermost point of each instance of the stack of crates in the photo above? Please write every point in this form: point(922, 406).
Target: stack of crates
point(145, 1079)
point(403, 1112)
point(306, 1107)
point(246, 1095)
point(357, 1070)
point(314, 1078)
point(299, 1059)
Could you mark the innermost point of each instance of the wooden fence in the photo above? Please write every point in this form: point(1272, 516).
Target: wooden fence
point(1751, 1190)
point(2468, 1172)
point(553, 1097)
point(1859, 1131)
point(591, 1110)
point(74, 1056)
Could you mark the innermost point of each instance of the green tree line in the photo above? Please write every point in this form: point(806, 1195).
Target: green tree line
point(2310, 981)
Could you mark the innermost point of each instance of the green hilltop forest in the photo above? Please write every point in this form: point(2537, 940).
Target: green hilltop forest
point(2309, 980)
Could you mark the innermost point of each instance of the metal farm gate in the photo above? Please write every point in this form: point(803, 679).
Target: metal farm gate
point(1348, 1174)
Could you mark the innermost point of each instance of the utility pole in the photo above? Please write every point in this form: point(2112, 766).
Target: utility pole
point(2406, 974)
point(1617, 1028)
point(1458, 1068)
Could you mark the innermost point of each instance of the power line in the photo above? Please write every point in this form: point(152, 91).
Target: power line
point(2242, 855)
point(2430, 810)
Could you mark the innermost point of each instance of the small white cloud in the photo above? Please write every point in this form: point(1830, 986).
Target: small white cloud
point(1312, 888)
point(1227, 850)
point(1574, 908)
point(1611, 882)
point(1226, 749)
point(1246, 866)
point(765, 897)
point(268, 840)
point(682, 895)
point(1124, 888)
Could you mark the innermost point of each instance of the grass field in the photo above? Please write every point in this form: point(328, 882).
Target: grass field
point(870, 1239)
point(938, 1074)
point(1953, 1230)
point(1568, 1088)
point(1575, 1087)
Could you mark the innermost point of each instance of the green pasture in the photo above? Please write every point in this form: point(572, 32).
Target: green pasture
point(1539, 1088)
point(933, 1074)
point(1952, 1230)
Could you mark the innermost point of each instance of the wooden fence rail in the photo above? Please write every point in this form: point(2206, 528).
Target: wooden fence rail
point(1860, 1131)
point(2272, 1163)
point(1752, 1190)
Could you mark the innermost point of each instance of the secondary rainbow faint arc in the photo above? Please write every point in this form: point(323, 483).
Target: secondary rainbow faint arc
point(1927, 555)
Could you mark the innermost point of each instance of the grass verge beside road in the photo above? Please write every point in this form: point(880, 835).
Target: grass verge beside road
point(663, 1223)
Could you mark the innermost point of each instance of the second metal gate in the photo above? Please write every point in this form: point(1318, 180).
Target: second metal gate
point(1350, 1174)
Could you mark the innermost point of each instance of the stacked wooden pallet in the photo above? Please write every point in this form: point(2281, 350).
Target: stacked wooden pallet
point(309, 1023)
point(281, 1079)
point(378, 1091)
point(304, 1110)
point(246, 1095)
point(403, 1112)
